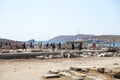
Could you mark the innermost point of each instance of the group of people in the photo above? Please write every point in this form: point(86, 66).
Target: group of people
point(9, 45)
point(53, 46)
point(82, 45)
point(46, 46)
point(12, 45)
point(24, 46)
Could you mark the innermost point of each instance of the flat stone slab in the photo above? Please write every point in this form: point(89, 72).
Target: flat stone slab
point(54, 71)
point(76, 78)
point(86, 69)
point(101, 70)
point(78, 74)
point(51, 76)
point(36, 50)
point(65, 74)
point(26, 55)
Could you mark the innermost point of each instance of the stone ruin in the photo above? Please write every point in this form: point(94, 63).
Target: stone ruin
point(84, 73)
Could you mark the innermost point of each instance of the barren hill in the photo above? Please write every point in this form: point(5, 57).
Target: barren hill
point(86, 37)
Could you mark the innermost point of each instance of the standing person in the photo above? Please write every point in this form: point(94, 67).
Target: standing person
point(40, 45)
point(0, 46)
point(6, 45)
point(53, 46)
point(59, 45)
point(9, 44)
point(31, 45)
point(85, 45)
point(24, 46)
point(16, 45)
point(47, 46)
point(80, 46)
point(72, 46)
point(94, 46)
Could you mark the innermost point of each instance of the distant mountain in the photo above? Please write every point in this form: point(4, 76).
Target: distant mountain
point(106, 38)
point(5, 40)
point(31, 41)
point(70, 37)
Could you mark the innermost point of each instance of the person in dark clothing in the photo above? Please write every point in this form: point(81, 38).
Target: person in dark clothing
point(1, 46)
point(80, 46)
point(72, 46)
point(16, 45)
point(24, 46)
point(53, 46)
point(59, 45)
point(47, 46)
point(31, 45)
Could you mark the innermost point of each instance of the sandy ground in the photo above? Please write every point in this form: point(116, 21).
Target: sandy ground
point(34, 69)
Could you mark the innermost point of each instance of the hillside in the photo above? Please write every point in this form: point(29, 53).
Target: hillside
point(70, 37)
point(7, 40)
point(105, 38)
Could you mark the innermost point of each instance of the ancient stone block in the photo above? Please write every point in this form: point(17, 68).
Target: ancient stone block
point(101, 70)
point(78, 74)
point(54, 71)
point(65, 74)
point(51, 76)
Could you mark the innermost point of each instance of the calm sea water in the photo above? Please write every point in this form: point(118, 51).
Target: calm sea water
point(63, 42)
point(112, 45)
point(45, 42)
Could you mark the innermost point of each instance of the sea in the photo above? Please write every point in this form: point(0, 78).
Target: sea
point(45, 42)
point(63, 42)
point(112, 45)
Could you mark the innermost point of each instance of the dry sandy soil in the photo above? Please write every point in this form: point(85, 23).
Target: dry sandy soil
point(34, 69)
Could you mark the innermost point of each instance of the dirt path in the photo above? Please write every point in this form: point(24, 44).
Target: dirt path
point(33, 69)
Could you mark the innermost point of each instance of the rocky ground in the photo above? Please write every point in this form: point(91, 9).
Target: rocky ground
point(35, 69)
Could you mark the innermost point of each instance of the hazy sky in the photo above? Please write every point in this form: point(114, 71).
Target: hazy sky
point(45, 19)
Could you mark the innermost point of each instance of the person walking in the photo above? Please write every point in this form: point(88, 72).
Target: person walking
point(80, 46)
point(94, 46)
point(59, 45)
point(24, 46)
point(72, 46)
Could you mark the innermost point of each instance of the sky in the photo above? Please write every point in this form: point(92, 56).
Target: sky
point(44, 19)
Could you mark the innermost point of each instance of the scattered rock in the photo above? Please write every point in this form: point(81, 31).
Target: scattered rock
point(80, 69)
point(5, 52)
point(116, 64)
point(40, 57)
point(51, 76)
point(54, 71)
point(108, 71)
point(74, 55)
point(101, 70)
point(75, 69)
point(78, 74)
point(108, 54)
point(19, 51)
point(116, 75)
point(36, 51)
point(51, 56)
point(65, 74)
point(67, 55)
point(85, 69)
